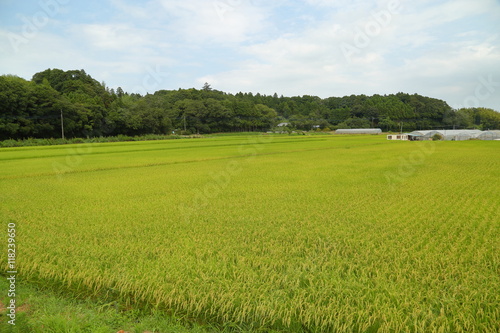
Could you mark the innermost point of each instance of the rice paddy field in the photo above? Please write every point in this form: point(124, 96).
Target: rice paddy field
point(317, 233)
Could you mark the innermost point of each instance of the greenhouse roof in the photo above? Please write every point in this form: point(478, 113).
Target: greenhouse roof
point(358, 130)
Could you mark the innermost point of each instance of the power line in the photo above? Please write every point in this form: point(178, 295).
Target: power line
point(62, 125)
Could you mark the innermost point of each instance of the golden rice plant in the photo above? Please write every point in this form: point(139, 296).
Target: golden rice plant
point(288, 233)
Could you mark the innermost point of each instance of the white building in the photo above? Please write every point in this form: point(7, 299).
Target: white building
point(405, 137)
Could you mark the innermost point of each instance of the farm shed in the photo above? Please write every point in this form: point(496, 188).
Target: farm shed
point(405, 137)
point(397, 136)
point(359, 131)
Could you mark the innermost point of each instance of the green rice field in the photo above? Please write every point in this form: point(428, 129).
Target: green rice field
point(319, 233)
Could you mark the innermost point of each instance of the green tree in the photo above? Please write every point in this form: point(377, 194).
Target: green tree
point(490, 119)
point(267, 117)
point(207, 87)
point(387, 124)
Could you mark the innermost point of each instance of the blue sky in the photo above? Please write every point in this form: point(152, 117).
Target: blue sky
point(444, 49)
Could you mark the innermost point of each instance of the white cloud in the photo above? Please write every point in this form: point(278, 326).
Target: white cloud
point(118, 37)
point(217, 21)
point(437, 48)
point(141, 12)
point(407, 54)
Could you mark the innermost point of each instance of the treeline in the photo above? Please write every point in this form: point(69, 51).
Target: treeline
point(88, 108)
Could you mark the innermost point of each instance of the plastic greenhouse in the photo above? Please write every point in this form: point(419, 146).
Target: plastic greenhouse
point(359, 131)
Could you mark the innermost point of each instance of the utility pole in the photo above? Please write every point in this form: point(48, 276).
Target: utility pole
point(401, 127)
point(184, 122)
point(62, 125)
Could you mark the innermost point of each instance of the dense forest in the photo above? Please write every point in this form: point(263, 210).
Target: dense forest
point(88, 108)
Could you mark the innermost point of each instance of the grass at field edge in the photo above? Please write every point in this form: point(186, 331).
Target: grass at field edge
point(44, 310)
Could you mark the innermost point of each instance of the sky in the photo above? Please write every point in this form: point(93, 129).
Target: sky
point(443, 49)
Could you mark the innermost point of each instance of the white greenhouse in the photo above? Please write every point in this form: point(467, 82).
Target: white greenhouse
point(359, 131)
point(489, 135)
point(448, 135)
